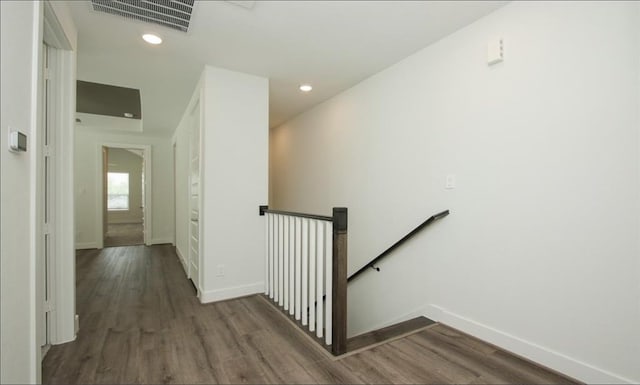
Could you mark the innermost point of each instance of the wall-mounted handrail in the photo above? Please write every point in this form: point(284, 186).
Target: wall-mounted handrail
point(372, 264)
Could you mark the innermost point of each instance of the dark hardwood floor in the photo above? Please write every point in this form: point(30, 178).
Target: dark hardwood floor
point(140, 322)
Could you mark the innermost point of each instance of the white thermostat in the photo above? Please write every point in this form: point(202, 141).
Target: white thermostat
point(17, 141)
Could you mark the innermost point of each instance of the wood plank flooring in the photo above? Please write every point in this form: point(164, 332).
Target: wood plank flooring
point(141, 323)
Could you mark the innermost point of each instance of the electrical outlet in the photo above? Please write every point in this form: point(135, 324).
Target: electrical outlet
point(450, 182)
point(220, 272)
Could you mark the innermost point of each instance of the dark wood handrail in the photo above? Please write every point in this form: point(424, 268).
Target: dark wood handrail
point(397, 244)
point(265, 209)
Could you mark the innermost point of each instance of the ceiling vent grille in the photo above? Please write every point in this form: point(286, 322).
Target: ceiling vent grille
point(174, 14)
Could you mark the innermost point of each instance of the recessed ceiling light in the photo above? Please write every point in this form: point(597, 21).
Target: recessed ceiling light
point(128, 115)
point(151, 38)
point(305, 87)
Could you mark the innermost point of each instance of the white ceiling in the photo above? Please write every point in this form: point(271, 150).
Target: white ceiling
point(330, 44)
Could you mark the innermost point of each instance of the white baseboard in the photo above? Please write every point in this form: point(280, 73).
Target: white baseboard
point(86, 245)
point(125, 221)
point(182, 260)
point(231, 292)
point(161, 241)
point(529, 350)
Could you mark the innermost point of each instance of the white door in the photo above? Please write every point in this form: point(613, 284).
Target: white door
point(47, 180)
point(194, 198)
point(143, 206)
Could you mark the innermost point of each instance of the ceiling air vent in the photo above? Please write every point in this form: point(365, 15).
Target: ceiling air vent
point(174, 14)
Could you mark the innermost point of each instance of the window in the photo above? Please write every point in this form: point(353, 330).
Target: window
point(118, 191)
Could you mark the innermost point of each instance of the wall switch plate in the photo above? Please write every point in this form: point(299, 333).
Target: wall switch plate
point(450, 182)
point(17, 141)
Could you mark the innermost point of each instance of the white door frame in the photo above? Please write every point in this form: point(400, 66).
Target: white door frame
point(174, 149)
point(198, 273)
point(147, 210)
point(62, 74)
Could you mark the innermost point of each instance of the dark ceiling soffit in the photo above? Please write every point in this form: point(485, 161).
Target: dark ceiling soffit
point(104, 99)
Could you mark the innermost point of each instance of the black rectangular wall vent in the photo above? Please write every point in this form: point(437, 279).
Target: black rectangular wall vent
point(174, 14)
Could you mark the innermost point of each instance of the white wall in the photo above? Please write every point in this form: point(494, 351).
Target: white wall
point(21, 36)
point(541, 251)
point(88, 142)
point(234, 177)
point(123, 160)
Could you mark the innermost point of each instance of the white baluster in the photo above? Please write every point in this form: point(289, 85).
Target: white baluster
point(312, 274)
point(272, 254)
point(319, 279)
point(305, 271)
point(266, 254)
point(292, 267)
point(280, 298)
point(267, 251)
point(298, 267)
point(285, 276)
point(329, 281)
point(276, 241)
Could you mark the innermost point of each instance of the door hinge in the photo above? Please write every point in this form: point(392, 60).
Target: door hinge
point(48, 306)
point(47, 151)
point(46, 229)
point(46, 74)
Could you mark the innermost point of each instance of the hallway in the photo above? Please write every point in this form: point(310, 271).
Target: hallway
point(124, 234)
point(140, 322)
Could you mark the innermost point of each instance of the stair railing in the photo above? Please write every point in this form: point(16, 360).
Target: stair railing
point(373, 262)
point(306, 272)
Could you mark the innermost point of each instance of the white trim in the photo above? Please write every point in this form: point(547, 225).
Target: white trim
point(86, 245)
point(183, 261)
point(54, 34)
point(35, 299)
point(196, 269)
point(148, 210)
point(174, 171)
point(161, 241)
point(64, 293)
point(529, 350)
point(231, 292)
point(125, 221)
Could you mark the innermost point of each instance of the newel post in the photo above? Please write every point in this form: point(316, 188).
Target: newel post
point(339, 310)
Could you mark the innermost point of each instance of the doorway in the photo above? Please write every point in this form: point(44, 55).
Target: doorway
point(125, 195)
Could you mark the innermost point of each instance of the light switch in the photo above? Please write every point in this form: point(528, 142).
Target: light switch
point(450, 182)
point(495, 51)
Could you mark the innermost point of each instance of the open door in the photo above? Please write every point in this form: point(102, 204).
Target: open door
point(105, 186)
point(125, 203)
